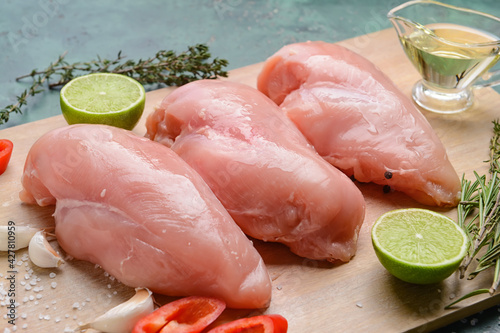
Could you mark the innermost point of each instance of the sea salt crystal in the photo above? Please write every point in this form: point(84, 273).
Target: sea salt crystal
point(359, 305)
point(76, 305)
point(52, 275)
point(53, 285)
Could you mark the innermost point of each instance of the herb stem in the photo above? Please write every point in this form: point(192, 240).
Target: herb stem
point(165, 67)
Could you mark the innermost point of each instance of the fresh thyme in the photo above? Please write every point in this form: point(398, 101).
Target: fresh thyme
point(165, 68)
point(479, 216)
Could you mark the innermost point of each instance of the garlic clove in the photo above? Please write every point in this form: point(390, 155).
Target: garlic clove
point(13, 237)
point(122, 318)
point(42, 253)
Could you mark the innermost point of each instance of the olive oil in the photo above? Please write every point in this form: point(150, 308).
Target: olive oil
point(453, 59)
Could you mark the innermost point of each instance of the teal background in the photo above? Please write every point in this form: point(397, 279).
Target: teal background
point(33, 33)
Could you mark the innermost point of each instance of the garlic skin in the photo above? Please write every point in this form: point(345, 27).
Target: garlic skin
point(41, 252)
point(15, 237)
point(123, 317)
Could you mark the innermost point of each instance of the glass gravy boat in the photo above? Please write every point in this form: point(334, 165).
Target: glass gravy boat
point(454, 49)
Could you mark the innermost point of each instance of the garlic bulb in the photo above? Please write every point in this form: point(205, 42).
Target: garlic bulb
point(13, 237)
point(123, 317)
point(41, 252)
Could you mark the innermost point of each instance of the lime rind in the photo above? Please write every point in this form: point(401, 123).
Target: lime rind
point(414, 271)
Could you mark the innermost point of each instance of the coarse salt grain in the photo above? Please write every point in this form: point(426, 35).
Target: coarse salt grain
point(52, 275)
point(53, 285)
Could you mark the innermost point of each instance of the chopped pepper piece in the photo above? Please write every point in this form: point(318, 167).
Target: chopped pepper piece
point(186, 315)
point(257, 324)
point(6, 147)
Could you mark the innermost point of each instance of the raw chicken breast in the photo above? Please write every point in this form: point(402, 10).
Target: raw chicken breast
point(135, 208)
point(272, 182)
point(359, 121)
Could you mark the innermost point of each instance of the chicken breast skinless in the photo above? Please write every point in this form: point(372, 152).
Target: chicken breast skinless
point(139, 211)
point(272, 182)
point(359, 121)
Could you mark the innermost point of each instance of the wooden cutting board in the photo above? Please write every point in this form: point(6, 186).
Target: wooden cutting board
point(315, 297)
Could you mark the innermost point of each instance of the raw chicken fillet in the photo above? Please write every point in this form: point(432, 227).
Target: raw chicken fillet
point(272, 182)
point(135, 208)
point(359, 121)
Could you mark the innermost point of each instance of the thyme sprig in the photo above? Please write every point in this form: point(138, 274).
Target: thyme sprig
point(164, 68)
point(479, 216)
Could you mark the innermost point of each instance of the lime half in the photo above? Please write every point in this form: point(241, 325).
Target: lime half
point(103, 98)
point(418, 245)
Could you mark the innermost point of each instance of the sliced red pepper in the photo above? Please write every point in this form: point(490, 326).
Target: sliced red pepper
point(257, 324)
point(185, 315)
point(6, 147)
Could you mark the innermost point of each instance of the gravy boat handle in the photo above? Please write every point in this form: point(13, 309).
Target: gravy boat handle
point(493, 79)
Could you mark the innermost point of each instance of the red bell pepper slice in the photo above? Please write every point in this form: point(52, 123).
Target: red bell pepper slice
point(6, 147)
point(258, 324)
point(186, 315)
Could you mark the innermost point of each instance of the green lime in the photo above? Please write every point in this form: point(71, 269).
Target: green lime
point(103, 98)
point(418, 245)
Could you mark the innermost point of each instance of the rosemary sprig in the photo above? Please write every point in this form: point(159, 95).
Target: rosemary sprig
point(164, 68)
point(479, 216)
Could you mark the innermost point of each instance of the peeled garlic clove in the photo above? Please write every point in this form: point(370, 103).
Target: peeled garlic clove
point(122, 318)
point(14, 237)
point(41, 252)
